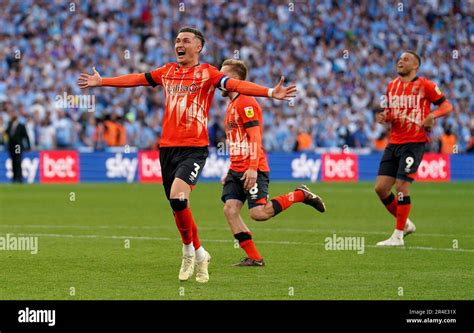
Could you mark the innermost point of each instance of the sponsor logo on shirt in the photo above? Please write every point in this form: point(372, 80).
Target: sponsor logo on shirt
point(180, 89)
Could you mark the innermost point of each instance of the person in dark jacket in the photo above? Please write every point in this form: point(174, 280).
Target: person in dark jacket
point(18, 142)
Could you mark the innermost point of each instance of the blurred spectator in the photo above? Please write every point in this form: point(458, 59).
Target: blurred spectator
point(87, 129)
point(470, 145)
point(99, 136)
point(216, 132)
point(360, 136)
point(304, 141)
point(3, 132)
point(64, 130)
point(31, 129)
point(114, 131)
point(346, 133)
point(381, 142)
point(448, 141)
point(270, 142)
point(146, 137)
point(47, 134)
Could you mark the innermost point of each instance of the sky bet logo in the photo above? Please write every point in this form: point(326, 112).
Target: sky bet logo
point(149, 167)
point(37, 316)
point(121, 167)
point(29, 168)
point(304, 167)
point(59, 166)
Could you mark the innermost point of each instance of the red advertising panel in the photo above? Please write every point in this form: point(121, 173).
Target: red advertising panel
point(340, 167)
point(59, 166)
point(149, 168)
point(434, 168)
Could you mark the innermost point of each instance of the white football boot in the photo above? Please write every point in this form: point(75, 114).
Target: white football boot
point(187, 267)
point(409, 228)
point(395, 240)
point(202, 272)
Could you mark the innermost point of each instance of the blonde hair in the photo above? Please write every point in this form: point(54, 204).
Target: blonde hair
point(238, 67)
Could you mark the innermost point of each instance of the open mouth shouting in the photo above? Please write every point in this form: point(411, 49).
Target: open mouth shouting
point(400, 68)
point(180, 52)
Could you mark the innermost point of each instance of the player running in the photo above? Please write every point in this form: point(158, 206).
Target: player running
point(189, 87)
point(248, 175)
point(409, 99)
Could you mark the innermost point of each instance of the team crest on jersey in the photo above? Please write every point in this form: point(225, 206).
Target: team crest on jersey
point(197, 75)
point(438, 91)
point(249, 111)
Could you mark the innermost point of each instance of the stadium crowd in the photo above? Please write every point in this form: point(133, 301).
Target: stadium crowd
point(341, 54)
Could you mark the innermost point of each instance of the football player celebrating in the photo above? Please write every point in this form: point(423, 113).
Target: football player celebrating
point(408, 110)
point(248, 175)
point(189, 88)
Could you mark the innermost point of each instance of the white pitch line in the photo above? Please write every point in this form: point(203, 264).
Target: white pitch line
point(424, 248)
point(316, 230)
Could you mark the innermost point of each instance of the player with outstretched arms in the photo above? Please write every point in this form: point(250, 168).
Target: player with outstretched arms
point(408, 109)
point(248, 175)
point(189, 88)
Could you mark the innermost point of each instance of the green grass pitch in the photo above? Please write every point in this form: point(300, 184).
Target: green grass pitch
point(83, 244)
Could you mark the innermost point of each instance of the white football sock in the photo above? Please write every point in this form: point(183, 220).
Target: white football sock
point(200, 254)
point(188, 249)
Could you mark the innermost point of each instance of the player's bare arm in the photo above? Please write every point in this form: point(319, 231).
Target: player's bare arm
point(125, 81)
point(255, 141)
point(252, 89)
point(443, 109)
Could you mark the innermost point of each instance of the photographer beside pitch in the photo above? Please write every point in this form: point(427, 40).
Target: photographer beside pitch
point(408, 110)
point(189, 88)
point(248, 175)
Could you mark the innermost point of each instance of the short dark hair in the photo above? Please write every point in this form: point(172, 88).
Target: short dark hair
point(238, 67)
point(198, 34)
point(416, 56)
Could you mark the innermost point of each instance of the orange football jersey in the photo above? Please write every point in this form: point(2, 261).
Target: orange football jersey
point(408, 104)
point(189, 93)
point(242, 113)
